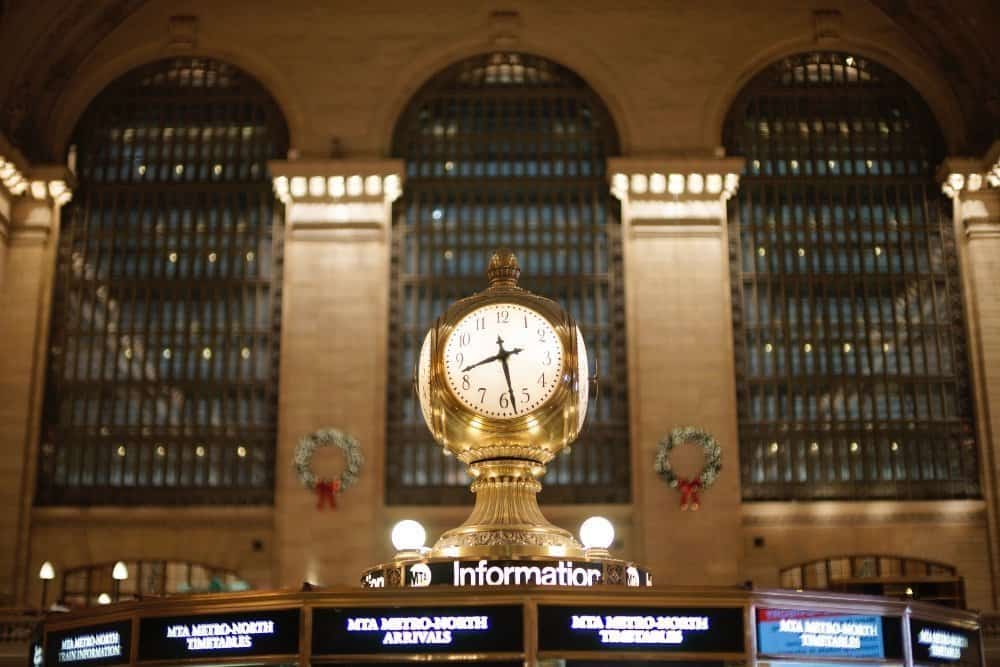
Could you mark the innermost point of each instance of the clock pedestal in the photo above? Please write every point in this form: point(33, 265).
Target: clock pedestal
point(506, 521)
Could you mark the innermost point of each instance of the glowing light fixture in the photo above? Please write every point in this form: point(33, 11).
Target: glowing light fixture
point(597, 534)
point(408, 536)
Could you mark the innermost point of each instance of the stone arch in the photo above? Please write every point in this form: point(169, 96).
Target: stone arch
point(923, 76)
point(84, 89)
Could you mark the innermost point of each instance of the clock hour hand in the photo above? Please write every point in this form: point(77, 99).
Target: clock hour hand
point(480, 363)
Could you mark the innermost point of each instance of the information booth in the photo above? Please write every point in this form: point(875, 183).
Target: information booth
point(508, 587)
point(553, 627)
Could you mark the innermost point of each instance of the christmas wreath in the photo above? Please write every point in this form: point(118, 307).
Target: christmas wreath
point(689, 488)
point(327, 489)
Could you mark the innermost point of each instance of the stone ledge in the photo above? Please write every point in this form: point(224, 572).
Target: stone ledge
point(806, 514)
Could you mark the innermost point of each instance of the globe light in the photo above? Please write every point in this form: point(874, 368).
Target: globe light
point(597, 533)
point(120, 572)
point(408, 535)
point(47, 572)
point(103, 598)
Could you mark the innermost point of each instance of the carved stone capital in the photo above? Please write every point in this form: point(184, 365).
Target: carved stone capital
point(974, 185)
point(964, 176)
point(323, 196)
point(675, 196)
point(30, 196)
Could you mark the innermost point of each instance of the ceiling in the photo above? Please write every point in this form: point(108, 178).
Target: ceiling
point(46, 40)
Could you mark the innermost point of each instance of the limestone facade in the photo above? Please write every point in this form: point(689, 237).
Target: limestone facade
point(344, 73)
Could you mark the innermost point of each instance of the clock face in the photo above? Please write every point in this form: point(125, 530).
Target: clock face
point(583, 378)
point(424, 380)
point(503, 360)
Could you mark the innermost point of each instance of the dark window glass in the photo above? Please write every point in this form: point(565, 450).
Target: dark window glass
point(851, 358)
point(887, 576)
point(507, 149)
point(85, 586)
point(162, 368)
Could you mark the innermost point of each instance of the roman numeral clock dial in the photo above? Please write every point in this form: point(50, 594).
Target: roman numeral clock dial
point(503, 361)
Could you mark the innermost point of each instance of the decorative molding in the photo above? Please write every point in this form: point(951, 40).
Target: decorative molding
point(29, 195)
point(833, 513)
point(4, 212)
point(504, 26)
point(182, 32)
point(328, 195)
point(968, 175)
point(12, 169)
point(826, 25)
point(31, 223)
point(674, 197)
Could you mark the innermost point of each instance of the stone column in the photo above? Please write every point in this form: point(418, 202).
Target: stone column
point(681, 358)
point(333, 358)
point(974, 186)
point(31, 200)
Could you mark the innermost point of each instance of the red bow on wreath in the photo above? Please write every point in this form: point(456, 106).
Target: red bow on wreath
point(326, 492)
point(689, 489)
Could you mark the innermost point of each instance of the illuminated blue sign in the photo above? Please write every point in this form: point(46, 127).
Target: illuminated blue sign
point(797, 632)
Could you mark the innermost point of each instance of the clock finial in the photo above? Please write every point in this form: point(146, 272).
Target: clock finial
point(503, 270)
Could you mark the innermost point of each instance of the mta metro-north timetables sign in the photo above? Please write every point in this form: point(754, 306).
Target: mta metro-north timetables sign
point(223, 635)
point(618, 628)
point(800, 632)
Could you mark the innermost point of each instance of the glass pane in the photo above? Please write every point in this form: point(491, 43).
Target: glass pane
point(506, 149)
point(851, 362)
point(162, 369)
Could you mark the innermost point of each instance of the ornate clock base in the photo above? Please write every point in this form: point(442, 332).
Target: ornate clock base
point(506, 521)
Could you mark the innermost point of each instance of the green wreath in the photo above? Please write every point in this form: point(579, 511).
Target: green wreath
point(328, 488)
point(695, 436)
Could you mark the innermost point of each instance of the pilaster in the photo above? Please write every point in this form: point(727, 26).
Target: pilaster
point(974, 186)
point(30, 201)
point(681, 357)
point(333, 357)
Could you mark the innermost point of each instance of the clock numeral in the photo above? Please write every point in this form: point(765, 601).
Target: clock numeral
point(504, 400)
point(503, 316)
point(541, 335)
point(525, 395)
point(481, 323)
point(548, 357)
point(464, 339)
point(465, 382)
point(541, 380)
point(482, 394)
point(525, 321)
point(459, 358)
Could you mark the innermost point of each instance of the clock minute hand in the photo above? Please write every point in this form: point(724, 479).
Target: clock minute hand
point(506, 373)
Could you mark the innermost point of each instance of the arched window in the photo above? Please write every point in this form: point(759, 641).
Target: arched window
point(162, 367)
point(851, 355)
point(84, 586)
point(879, 574)
point(506, 149)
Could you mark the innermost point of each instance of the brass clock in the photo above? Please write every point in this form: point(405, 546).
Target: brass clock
point(504, 369)
point(503, 386)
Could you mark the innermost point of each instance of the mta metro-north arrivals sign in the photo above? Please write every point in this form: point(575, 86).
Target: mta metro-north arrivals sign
point(381, 630)
point(799, 632)
point(105, 644)
point(207, 636)
point(668, 629)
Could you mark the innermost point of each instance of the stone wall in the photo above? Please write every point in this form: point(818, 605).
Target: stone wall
point(344, 72)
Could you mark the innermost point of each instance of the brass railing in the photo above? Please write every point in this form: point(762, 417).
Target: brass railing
point(17, 627)
point(990, 623)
